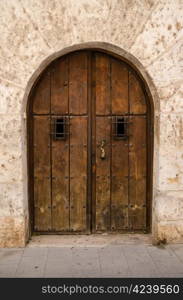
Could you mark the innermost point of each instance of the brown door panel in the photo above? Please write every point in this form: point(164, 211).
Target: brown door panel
point(137, 99)
point(119, 184)
point(60, 86)
point(78, 173)
point(102, 82)
point(103, 128)
point(119, 87)
point(42, 174)
point(137, 172)
point(78, 83)
point(60, 183)
point(41, 103)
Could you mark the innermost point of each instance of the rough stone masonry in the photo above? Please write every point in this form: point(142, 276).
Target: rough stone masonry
point(149, 32)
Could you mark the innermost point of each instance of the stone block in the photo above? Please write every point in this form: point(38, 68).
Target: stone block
point(13, 231)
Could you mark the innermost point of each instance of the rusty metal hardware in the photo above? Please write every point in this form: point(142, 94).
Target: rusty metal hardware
point(102, 154)
point(120, 127)
point(60, 127)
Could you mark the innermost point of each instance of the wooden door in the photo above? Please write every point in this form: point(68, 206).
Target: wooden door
point(60, 118)
point(89, 134)
point(119, 180)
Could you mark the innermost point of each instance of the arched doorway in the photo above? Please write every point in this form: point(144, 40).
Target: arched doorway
point(90, 147)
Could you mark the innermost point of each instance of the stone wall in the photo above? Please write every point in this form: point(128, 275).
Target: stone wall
point(33, 32)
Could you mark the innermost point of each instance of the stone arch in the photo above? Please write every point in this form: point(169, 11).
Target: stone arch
point(149, 87)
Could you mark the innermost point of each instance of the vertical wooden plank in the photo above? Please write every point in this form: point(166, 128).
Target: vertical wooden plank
point(59, 86)
point(78, 83)
point(137, 165)
point(119, 87)
point(103, 126)
point(78, 173)
point(41, 94)
point(93, 143)
point(102, 82)
point(119, 186)
point(42, 186)
point(136, 95)
point(60, 184)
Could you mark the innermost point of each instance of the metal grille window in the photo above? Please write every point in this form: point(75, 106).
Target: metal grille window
point(120, 127)
point(60, 128)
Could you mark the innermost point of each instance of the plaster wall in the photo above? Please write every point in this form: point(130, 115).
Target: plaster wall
point(147, 32)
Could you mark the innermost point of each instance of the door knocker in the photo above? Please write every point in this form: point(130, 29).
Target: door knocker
point(102, 154)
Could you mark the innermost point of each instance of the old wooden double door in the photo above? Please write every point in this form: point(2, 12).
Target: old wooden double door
point(89, 137)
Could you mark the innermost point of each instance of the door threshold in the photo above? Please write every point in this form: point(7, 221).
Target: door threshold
point(93, 240)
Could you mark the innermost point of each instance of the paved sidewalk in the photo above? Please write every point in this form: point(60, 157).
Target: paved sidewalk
point(92, 256)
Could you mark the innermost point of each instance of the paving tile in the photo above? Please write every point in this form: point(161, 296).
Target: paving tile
point(10, 255)
point(7, 270)
point(85, 262)
point(35, 252)
point(59, 263)
point(59, 253)
point(139, 261)
point(113, 262)
point(58, 268)
point(178, 250)
point(165, 260)
point(31, 267)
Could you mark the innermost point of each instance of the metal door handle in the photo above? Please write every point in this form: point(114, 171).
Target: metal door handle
point(102, 154)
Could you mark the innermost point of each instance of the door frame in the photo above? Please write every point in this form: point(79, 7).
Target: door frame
point(150, 129)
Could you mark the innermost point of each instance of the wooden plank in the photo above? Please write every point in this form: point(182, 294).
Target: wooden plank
point(78, 83)
point(60, 184)
point(137, 166)
point(102, 80)
point(103, 125)
point(119, 186)
point(59, 86)
point(136, 95)
point(41, 103)
point(78, 173)
point(42, 182)
point(119, 87)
